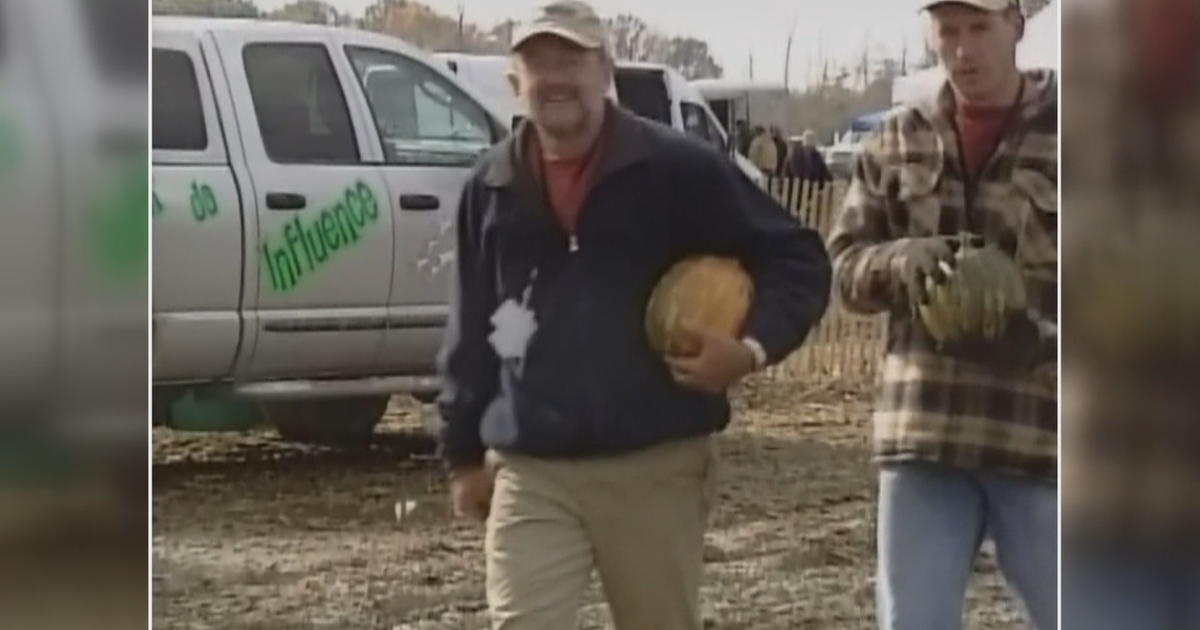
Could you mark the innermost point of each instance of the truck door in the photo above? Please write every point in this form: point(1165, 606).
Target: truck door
point(196, 219)
point(94, 70)
point(32, 212)
point(431, 133)
point(324, 233)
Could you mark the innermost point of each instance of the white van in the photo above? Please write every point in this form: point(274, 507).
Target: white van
point(660, 92)
point(487, 74)
point(756, 102)
point(653, 91)
point(305, 180)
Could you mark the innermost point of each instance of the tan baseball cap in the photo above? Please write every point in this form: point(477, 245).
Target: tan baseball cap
point(572, 20)
point(986, 5)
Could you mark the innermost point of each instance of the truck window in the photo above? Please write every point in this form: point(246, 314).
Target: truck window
point(178, 114)
point(117, 30)
point(301, 109)
point(422, 118)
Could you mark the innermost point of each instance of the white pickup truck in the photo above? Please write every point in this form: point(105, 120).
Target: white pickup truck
point(304, 184)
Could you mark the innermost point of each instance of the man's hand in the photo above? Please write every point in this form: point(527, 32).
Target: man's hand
point(721, 362)
point(1022, 347)
point(471, 492)
point(914, 259)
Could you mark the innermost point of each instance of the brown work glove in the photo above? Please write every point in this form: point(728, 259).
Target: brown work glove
point(914, 259)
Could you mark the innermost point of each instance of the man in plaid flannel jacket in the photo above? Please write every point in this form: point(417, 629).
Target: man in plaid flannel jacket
point(966, 438)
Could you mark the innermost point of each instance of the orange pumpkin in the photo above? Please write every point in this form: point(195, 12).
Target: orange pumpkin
point(700, 292)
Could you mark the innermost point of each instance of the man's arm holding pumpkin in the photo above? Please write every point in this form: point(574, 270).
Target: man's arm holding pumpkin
point(786, 261)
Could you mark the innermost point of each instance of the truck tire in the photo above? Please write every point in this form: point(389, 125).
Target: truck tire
point(329, 421)
point(160, 410)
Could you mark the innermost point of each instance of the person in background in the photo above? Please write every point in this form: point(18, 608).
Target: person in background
point(805, 161)
point(781, 150)
point(966, 437)
point(741, 137)
point(581, 446)
point(762, 151)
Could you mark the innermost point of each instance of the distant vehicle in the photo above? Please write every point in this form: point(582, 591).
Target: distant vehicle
point(756, 102)
point(304, 186)
point(653, 91)
point(839, 156)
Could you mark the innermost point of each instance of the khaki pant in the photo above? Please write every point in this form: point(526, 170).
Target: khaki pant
point(638, 519)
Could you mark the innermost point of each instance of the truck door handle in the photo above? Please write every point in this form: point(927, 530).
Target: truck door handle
point(286, 201)
point(419, 202)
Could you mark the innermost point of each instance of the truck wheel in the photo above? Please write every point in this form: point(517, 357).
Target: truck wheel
point(160, 410)
point(332, 421)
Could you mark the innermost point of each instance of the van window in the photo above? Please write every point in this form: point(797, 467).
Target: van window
point(715, 133)
point(697, 123)
point(300, 106)
point(422, 118)
point(178, 114)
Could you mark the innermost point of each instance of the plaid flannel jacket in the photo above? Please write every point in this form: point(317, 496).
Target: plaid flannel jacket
point(1131, 431)
point(909, 182)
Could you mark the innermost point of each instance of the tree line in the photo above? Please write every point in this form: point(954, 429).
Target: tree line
point(840, 93)
point(633, 39)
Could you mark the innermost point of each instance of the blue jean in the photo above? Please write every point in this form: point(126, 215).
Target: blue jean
point(1102, 590)
point(932, 521)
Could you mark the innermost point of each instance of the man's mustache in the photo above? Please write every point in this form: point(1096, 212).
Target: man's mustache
point(547, 93)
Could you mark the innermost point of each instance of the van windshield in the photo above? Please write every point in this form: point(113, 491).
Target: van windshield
point(644, 92)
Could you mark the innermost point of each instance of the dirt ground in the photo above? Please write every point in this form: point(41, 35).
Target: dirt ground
point(254, 533)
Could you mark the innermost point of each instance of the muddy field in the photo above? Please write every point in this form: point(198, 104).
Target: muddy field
point(254, 533)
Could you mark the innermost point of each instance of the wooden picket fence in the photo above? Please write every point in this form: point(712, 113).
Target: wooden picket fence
point(845, 349)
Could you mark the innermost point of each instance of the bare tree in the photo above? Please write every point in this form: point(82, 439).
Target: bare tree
point(691, 58)
point(310, 12)
point(503, 33)
point(634, 40)
point(787, 54)
point(207, 8)
point(424, 27)
point(627, 33)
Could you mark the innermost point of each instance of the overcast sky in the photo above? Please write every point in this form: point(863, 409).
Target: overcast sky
point(734, 29)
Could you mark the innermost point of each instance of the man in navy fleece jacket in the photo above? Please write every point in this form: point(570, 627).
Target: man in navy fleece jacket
point(580, 445)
